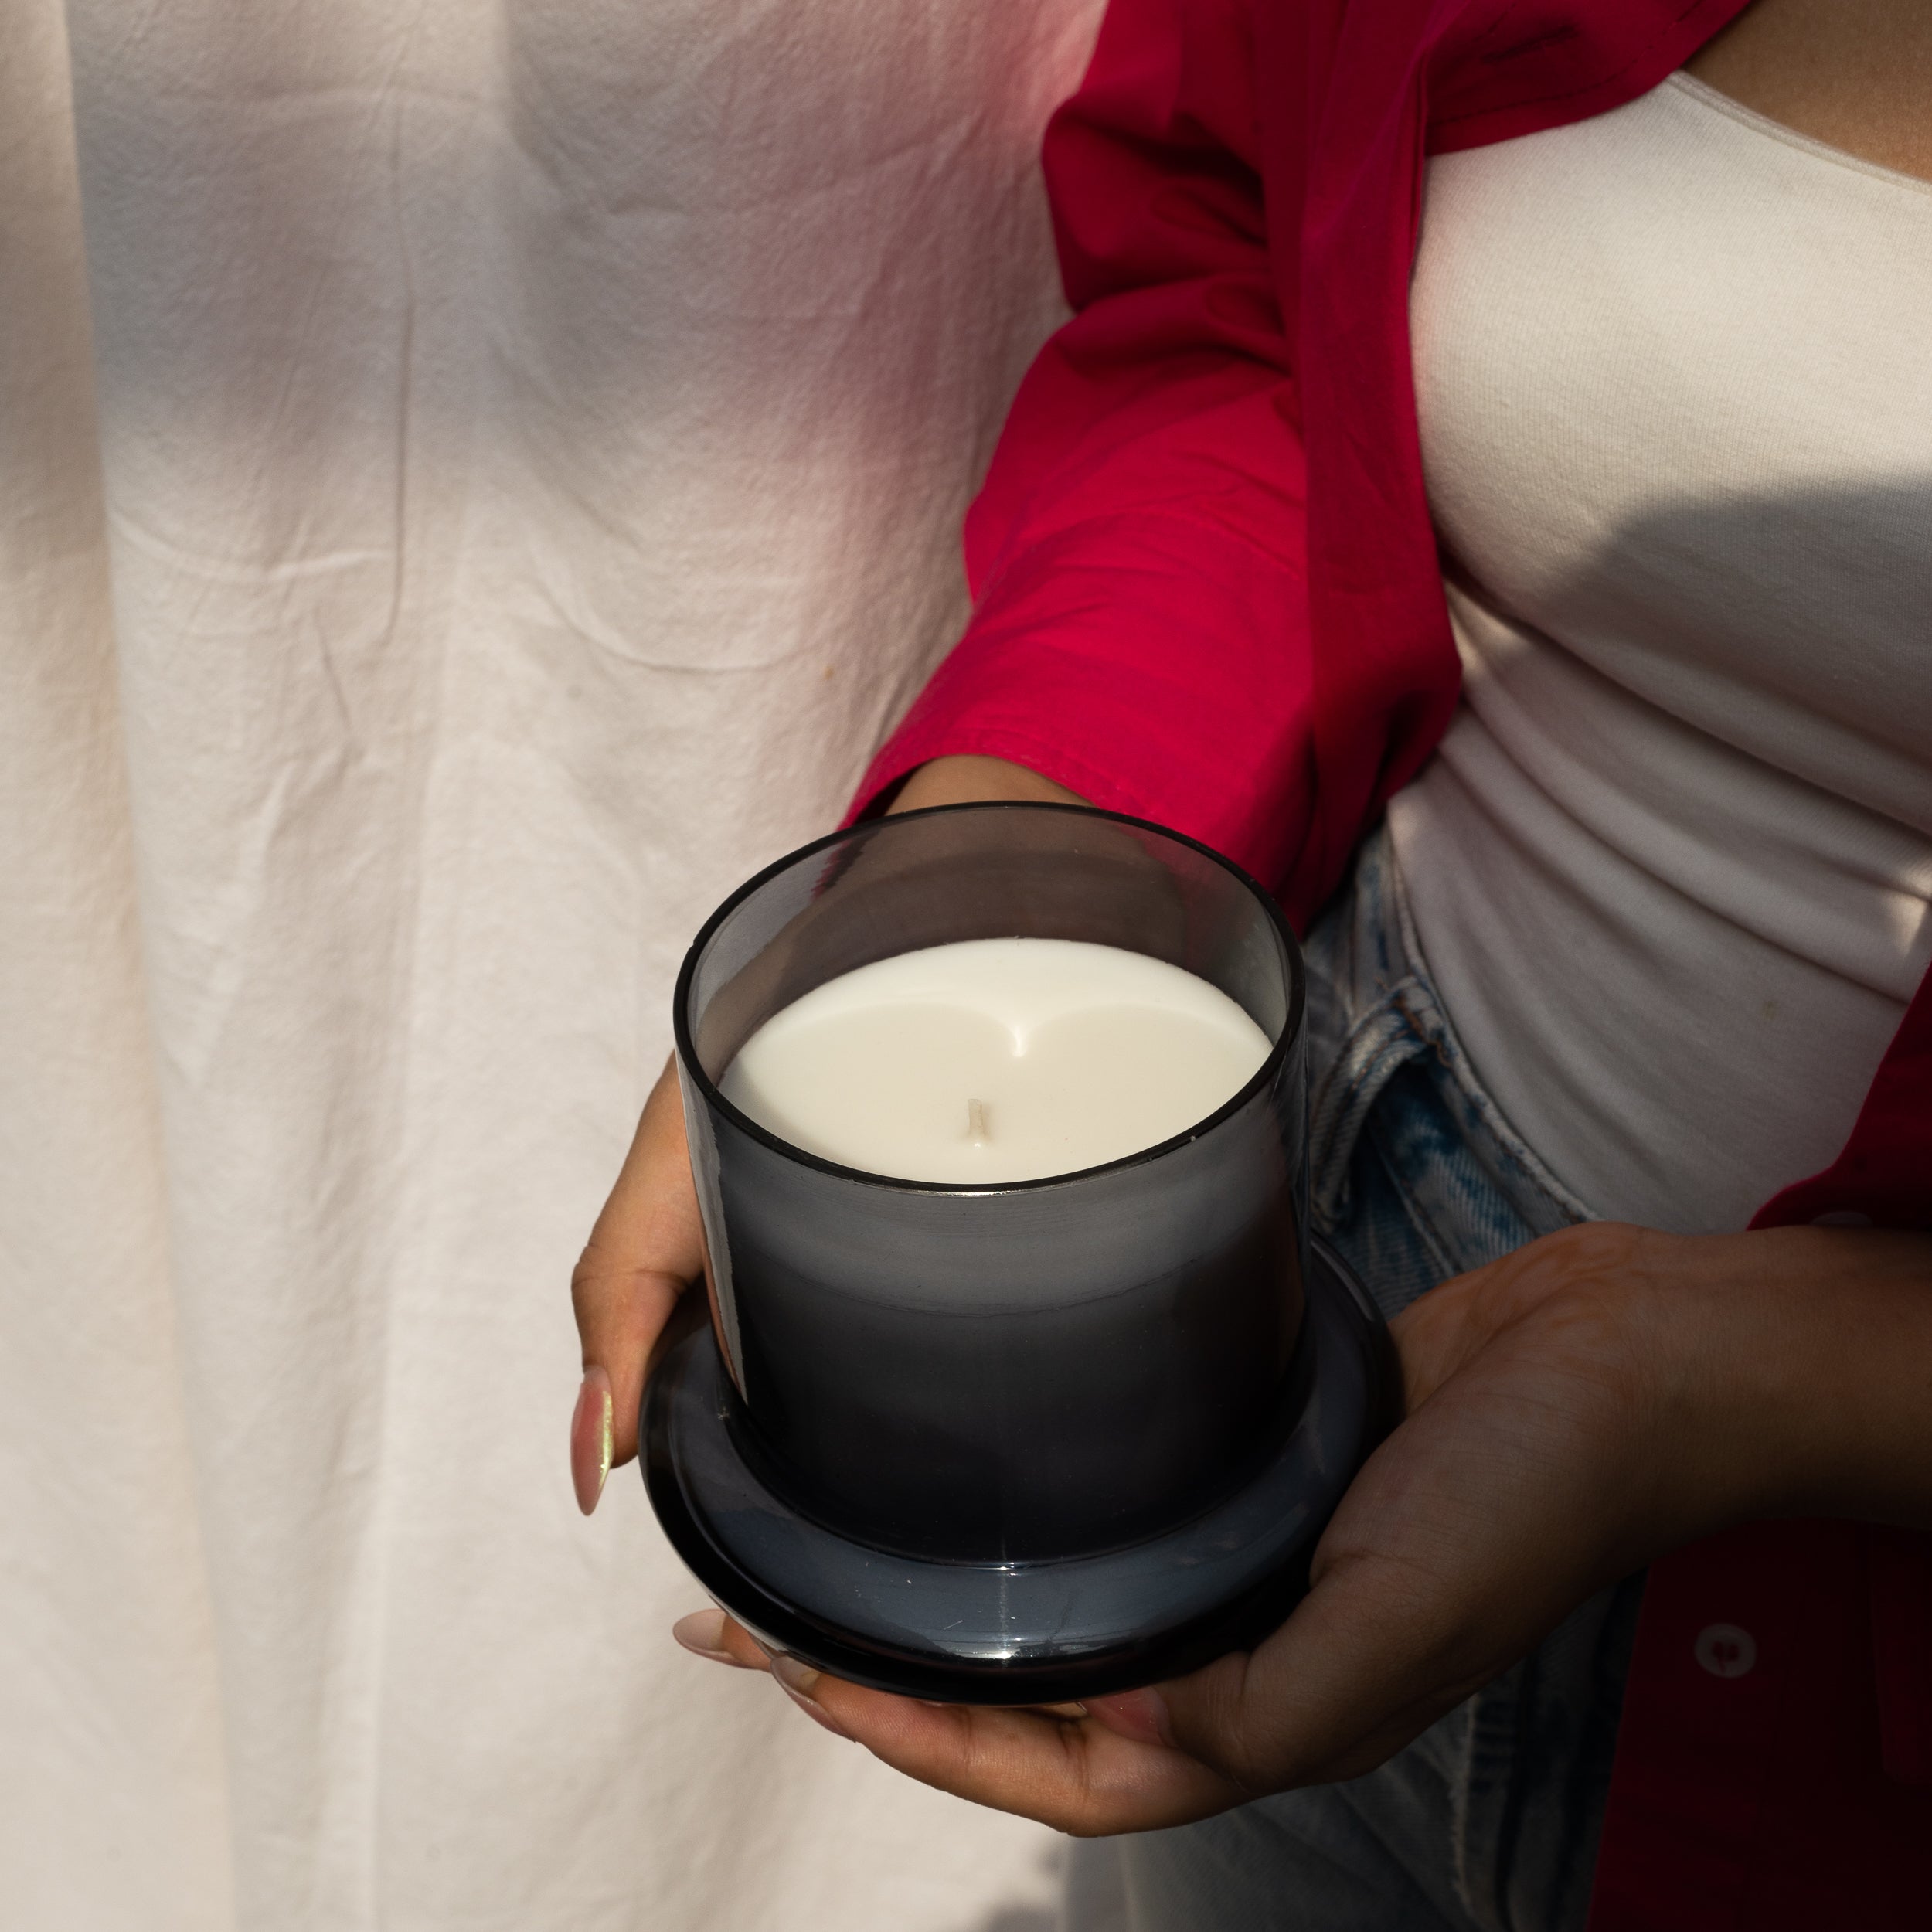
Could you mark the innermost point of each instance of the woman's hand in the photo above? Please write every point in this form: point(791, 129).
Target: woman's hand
point(1573, 1410)
point(648, 1246)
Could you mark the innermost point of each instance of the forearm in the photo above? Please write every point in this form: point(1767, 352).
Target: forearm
point(1803, 1384)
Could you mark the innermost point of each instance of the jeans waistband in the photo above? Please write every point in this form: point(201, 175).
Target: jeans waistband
point(1373, 1011)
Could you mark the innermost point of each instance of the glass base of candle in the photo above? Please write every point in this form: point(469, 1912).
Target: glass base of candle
point(1044, 1630)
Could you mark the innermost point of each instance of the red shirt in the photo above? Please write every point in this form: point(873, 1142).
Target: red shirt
point(1208, 592)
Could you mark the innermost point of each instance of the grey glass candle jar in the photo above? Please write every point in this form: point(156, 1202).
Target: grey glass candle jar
point(1017, 1443)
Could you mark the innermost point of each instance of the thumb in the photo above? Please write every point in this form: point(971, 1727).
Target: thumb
point(646, 1247)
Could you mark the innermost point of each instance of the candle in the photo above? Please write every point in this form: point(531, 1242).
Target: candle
point(996, 1060)
point(1026, 1381)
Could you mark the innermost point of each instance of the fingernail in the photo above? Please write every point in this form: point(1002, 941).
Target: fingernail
point(797, 1681)
point(592, 1428)
point(702, 1634)
point(1141, 1715)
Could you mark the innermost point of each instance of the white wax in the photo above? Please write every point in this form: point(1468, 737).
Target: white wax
point(996, 1060)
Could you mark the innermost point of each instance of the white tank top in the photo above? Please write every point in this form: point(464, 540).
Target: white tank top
point(1671, 867)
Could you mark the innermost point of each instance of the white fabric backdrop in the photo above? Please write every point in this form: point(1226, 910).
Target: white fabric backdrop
point(476, 479)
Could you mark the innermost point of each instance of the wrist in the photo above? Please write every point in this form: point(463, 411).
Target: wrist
point(1793, 1373)
point(966, 779)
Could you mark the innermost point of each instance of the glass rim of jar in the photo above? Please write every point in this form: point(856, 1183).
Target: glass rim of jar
point(713, 1097)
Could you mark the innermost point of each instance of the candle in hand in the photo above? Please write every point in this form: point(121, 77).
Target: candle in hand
point(996, 1060)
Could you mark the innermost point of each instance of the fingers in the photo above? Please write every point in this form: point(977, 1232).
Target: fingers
point(1073, 1774)
point(1441, 1333)
point(646, 1247)
point(1496, 1507)
point(711, 1634)
point(1354, 1674)
point(1057, 1763)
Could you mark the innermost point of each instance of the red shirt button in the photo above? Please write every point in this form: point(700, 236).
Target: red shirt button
point(1725, 1651)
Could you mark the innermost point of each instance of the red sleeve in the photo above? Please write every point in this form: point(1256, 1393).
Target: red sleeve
point(1137, 555)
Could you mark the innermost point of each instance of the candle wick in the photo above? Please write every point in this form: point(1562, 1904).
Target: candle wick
point(976, 1127)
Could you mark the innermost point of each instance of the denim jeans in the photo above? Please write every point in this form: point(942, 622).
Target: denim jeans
point(1488, 1821)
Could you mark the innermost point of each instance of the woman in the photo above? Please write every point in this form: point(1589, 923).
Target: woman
point(1602, 472)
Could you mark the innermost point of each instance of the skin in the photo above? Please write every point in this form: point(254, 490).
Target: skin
point(1855, 73)
point(647, 1246)
point(1574, 1410)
